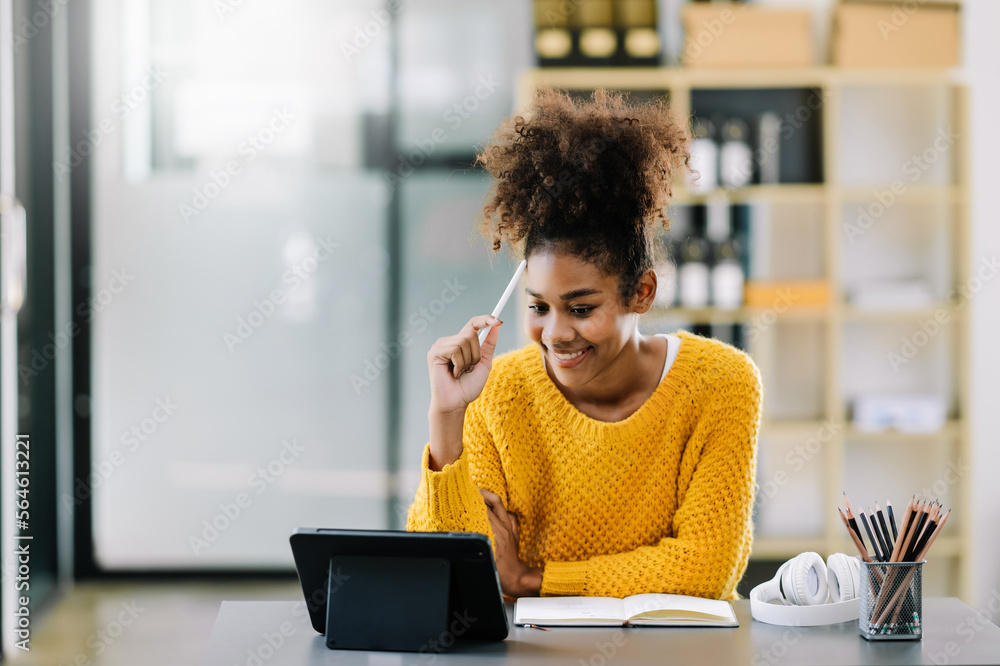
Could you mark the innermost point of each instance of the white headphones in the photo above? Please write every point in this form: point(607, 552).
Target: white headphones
point(808, 592)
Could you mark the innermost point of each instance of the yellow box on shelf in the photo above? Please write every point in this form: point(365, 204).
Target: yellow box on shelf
point(791, 293)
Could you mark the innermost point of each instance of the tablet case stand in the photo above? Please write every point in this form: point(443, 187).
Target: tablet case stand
point(388, 603)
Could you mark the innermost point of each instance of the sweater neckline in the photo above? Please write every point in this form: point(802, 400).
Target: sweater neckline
point(664, 397)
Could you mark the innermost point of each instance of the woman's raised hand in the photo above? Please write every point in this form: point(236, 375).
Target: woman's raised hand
point(459, 366)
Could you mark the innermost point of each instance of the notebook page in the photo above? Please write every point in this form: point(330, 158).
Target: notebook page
point(679, 607)
point(537, 610)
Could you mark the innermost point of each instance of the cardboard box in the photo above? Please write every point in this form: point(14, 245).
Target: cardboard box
point(723, 34)
point(896, 34)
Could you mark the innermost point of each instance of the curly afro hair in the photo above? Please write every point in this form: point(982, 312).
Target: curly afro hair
point(591, 178)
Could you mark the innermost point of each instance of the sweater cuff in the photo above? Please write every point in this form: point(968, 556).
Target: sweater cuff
point(568, 579)
point(450, 491)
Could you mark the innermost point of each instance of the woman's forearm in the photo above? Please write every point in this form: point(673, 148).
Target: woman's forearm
point(446, 437)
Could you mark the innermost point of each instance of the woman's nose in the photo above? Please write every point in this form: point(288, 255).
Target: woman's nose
point(557, 331)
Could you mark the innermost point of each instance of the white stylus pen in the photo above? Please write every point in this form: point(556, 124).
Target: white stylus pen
point(503, 299)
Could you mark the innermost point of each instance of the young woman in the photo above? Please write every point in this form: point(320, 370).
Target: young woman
point(598, 460)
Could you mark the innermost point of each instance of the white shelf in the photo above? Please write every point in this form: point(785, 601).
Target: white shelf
point(832, 198)
point(950, 431)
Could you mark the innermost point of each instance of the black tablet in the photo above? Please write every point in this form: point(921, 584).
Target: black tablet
point(399, 590)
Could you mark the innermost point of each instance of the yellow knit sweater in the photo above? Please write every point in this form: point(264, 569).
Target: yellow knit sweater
point(658, 502)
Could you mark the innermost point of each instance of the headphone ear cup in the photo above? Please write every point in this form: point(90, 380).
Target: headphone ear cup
point(805, 571)
point(844, 574)
point(771, 590)
point(854, 565)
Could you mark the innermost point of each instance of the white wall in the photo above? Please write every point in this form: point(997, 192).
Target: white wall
point(982, 62)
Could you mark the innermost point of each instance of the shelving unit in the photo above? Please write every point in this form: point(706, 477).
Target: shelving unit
point(832, 197)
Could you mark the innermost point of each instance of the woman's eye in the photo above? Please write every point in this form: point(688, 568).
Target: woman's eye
point(576, 312)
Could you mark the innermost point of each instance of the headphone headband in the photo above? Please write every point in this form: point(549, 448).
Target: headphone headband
point(801, 616)
point(790, 586)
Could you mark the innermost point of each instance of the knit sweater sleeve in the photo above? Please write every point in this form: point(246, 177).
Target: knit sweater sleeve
point(711, 532)
point(449, 500)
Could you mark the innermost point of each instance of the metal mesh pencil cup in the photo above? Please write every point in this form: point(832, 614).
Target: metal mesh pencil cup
point(891, 601)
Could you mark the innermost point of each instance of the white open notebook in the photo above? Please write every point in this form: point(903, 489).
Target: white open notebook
point(668, 610)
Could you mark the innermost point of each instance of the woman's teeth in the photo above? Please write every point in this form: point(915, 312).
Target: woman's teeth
point(568, 357)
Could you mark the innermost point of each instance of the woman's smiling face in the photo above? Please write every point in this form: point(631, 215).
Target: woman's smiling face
point(576, 316)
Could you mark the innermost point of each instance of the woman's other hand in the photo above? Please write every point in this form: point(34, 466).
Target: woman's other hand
point(516, 579)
